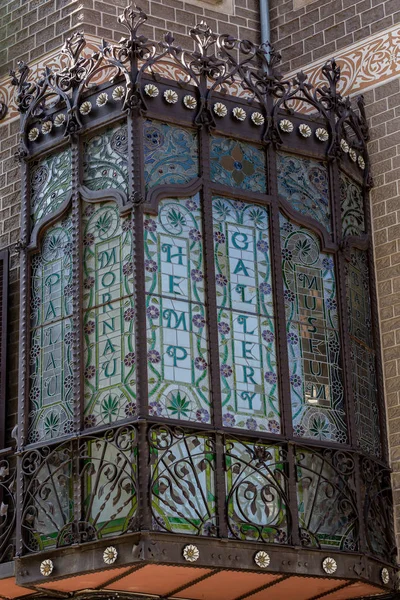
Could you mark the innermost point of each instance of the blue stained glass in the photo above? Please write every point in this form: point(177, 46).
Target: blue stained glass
point(312, 336)
point(246, 324)
point(171, 154)
point(105, 159)
point(178, 369)
point(238, 164)
point(303, 182)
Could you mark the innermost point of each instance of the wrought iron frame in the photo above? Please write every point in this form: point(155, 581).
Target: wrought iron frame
point(219, 65)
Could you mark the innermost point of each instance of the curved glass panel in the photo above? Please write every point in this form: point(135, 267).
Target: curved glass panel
point(108, 318)
point(362, 354)
point(238, 164)
point(51, 180)
point(178, 369)
point(50, 378)
point(246, 324)
point(312, 336)
point(105, 156)
point(352, 207)
point(304, 183)
point(171, 154)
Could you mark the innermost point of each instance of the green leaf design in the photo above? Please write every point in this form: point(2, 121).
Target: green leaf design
point(179, 405)
point(109, 407)
point(303, 247)
point(176, 218)
point(103, 223)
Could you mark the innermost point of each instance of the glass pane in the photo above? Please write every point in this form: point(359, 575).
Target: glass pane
point(238, 164)
point(246, 324)
point(182, 482)
point(51, 180)
point(50, 379)
point(256, 492)
point(352, 205)
point(108, 319)
point(327, 500)
point(303, 182)
point(171, 154)
point(105, 159)
point(178, 372)
point(362, 354)
point(317, 393)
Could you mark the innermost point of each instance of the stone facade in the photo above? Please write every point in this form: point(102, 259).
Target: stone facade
point(304, 31)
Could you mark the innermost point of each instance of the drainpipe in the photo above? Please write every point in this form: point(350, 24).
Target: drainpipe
point(264, 21)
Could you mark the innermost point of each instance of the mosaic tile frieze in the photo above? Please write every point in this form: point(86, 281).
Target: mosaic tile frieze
point(317, 393)
point(237, 164)
point(303, 182)
point(250, 470)
point(182, 482)
point(105, 159)
point(51, 181)
point(171, 154)
point(246, 324)
point(352, 207)
point(362, 354)
point(108, 318)
point(178, 363)
point(50, 375)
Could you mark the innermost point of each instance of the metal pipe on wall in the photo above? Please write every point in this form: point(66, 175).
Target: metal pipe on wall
point(265, 30)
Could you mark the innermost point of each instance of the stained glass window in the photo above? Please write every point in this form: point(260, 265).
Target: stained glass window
point(178, 369)
point(352, 205)
point(312, 336)
point(182, 482)
point(50, 179)
point(105, 159)
point(108, 319)
point(50, 380)
point(170, 154)
point(246, 325)
point(251, 470)
point(362, 354)
point(303, 182)
point(238, 164)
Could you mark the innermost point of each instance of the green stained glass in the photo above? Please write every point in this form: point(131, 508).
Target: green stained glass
point(251, 470)
point(362, 354)
point(312, 336)
point(176, 323)
point(105, 159)
point(237, 164)
point(352, 207)
point(51, 181)
point(303, 182)
point(50, 378)
point(182, 482)
point(246, 324)
point(171, 154)
point(108, 321)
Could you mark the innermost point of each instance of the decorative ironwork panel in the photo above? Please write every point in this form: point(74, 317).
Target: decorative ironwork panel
point(182, 481)
point(105, 159)
point(256, 482)
point(362, 354)
point(352, 206)
point(47, 496)
point(7, 508)
point(51, 180)
point(378, 510)
point(238, 164)
point(108, 320)
point(109, 473)
point(176, 322)
point(171, 154)
point(106, 468)
point(304, 183)
point(312, 336)
point(50, 378)
point(326, 494)
point(246, 325)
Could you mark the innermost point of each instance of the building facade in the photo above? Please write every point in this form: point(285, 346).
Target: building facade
point(199, 379)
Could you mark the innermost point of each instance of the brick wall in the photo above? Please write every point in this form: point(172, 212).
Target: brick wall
point(321, 28)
